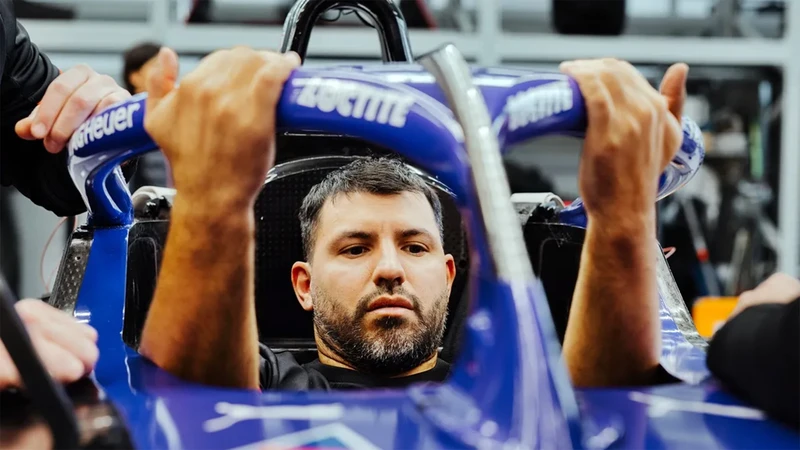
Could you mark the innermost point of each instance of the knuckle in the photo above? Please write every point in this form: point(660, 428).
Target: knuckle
point(27, 310)
point(83, 68)
point(608, 61)
point(89, 353)
point(583, 77)
point(190, 83)
point(73, 368)
point(226, 110)
point(606, 74)
point(205, 93)
point(80, 102)
point(268, 76)
point(59, 134)
point(780, 277)
point(635, 125)
point(117, 97)
point(90, 332)
point(647, 113)
point(197, 89)
point(105, 80)
point(746, 297)
point(111, 100)
point(598, 104)
point(624, 65)
point(60, 87)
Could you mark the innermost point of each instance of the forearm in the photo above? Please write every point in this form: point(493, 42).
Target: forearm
point(201, 325)
point(612, 336)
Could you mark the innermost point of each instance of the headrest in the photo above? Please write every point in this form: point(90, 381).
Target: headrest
point(281, 320)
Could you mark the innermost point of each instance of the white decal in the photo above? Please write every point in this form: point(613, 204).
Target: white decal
point(165, 420)
point(231, 414)
point(104, 124)
point(357, 100)
point(660, 406)
point(537, 103)
point(338, 432)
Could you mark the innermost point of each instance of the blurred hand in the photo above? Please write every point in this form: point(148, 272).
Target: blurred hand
point(779, 288)
point(73, 97)
point(633, 133)
point(66, 347)
point(218, 127)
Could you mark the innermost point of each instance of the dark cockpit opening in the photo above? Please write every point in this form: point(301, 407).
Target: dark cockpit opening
point(303, 161)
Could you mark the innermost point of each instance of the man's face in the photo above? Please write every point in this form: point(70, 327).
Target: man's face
point(378, 281)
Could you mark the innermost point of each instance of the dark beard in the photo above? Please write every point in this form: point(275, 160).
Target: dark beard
point(394, 348)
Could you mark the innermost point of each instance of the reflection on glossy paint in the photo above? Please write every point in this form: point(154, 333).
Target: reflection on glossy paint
point(331, 436)
point(82, 316)
point(167, 425)
point(231, 414)
point(660, 406)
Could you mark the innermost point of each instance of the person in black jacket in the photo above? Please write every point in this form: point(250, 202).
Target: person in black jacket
point(756, 354)
point(40, 108)
point(33, 136)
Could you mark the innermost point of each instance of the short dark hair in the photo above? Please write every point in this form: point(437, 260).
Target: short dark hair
point(136, 57)
point(380, 176)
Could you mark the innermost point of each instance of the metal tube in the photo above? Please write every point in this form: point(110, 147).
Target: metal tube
point(789, 204)
point(491, 183)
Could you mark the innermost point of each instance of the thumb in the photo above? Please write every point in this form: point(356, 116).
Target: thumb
point(162, 79)
point(673, 88)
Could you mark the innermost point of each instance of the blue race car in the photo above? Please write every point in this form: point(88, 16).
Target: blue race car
point(508, 389)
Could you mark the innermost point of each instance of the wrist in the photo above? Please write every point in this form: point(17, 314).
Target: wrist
point(624, 223)
point(209, 217)
point(212, 196)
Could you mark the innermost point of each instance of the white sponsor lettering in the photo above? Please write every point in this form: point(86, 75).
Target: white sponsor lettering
point(105, 124)
point(537, 103)
point(356, 100)
point(231, 414)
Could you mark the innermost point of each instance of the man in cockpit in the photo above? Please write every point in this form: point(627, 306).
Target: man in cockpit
point(376, 276)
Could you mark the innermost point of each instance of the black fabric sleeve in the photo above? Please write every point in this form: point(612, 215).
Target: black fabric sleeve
point(757, 356)
point(267, 367)
point(280, 370)
point(37, 174)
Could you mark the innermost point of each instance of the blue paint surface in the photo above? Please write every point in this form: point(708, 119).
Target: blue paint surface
point(509, 388)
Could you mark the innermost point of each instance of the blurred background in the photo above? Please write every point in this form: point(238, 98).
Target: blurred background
point(736, 222)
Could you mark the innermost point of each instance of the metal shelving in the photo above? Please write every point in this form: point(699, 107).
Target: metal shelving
point(484, 48)
point(488, 45)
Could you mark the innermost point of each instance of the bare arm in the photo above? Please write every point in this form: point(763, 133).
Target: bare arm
point(218, 131)
point(613, 333)
point(202, 325)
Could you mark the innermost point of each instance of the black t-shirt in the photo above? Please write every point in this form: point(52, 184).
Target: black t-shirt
point(280, 370)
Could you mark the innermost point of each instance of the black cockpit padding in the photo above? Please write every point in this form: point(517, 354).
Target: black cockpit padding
point(555, 252)
point(146, 241)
